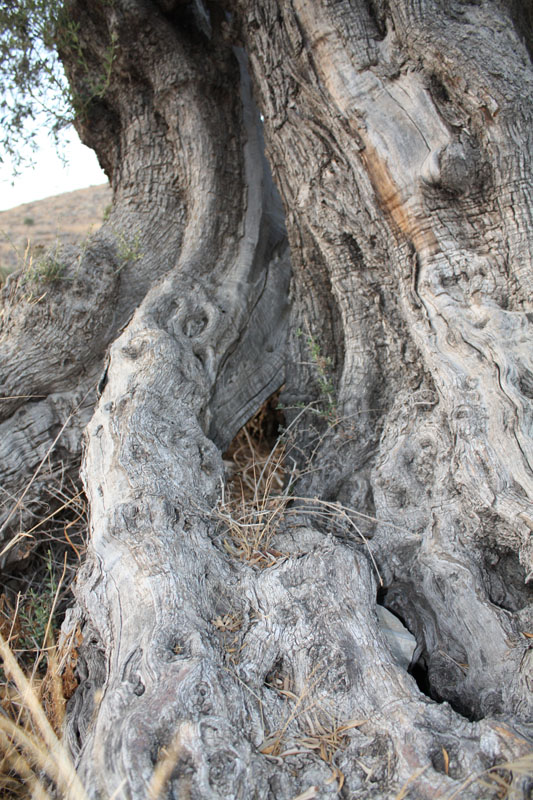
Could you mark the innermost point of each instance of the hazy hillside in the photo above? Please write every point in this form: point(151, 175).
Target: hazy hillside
point(66, 218)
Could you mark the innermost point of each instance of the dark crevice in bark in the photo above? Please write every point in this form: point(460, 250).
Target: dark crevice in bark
point(398, 600)
point(377, 11)
point(522, 16)
point(265, 426)
point(193, 18)
point(505, 579)
point(419, 671)
point(422, 675)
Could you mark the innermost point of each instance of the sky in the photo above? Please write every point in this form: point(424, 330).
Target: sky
point(50, 175)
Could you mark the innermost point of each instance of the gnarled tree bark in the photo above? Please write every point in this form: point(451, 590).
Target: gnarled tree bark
point(399, 137)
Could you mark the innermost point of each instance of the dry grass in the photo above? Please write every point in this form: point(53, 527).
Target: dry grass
point(41, 560)
point(37, 679)
point(503, 781)
point(33, 760)
point(308, 728)
point(228, 627)
point(44, 557)
point(38, 688)
point(260, 494)
point(326, 740)
point(254, 501)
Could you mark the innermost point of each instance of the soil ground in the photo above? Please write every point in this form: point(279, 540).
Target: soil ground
point(66, 218)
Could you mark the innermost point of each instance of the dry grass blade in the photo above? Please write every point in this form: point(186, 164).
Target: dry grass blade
point(166, 764)
point(408, 783)
point(36, 752)
point(69, 503)
point(14, 763)
point(446, 758)
point(30, 483)
point(254, 501)
point(45, 748)
point(47, 633)
point(518, 768)
point(309, 794)
point(273, 743)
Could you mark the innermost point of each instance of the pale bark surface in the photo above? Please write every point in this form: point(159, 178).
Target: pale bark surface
point(400, 138)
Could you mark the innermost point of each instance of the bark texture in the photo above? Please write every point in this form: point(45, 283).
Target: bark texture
point(400, 139)
point(410, 202)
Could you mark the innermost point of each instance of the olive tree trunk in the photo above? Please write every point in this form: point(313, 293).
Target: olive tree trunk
point(400, 139)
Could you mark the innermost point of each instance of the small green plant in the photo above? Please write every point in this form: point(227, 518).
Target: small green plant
point(29, 221)
point(4, 272)
point(323, 369)
point(107, 212)
point(36, 267)
point(48, 269)
point(96, 85)
point(45, 268)
point(128, 248)
point(36, 615)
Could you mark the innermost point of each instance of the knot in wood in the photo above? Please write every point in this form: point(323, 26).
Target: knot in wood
point(452, 167)
point(457, 168)
point(195, 324)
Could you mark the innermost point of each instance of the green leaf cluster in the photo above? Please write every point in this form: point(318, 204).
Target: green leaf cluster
point(35, 89)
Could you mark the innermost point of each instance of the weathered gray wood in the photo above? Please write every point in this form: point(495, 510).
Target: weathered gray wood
point(54, 333)
point(399, 137)
point(407, 199)
point(162, 475)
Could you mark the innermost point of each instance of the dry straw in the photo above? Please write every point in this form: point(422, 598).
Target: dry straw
point(261, 495)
